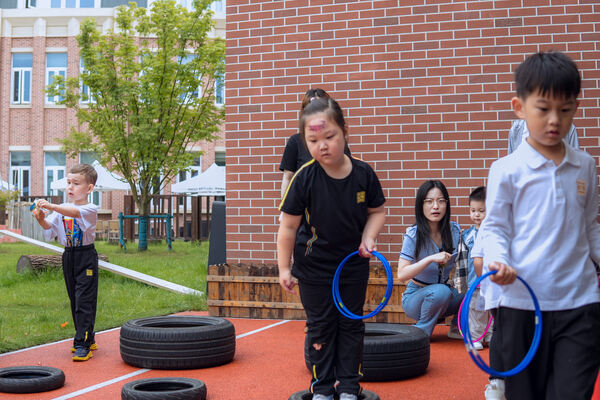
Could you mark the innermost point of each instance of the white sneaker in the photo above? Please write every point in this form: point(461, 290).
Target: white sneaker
point(319, 396)
point(348, 396)
point(478, 346)
point(495, 390)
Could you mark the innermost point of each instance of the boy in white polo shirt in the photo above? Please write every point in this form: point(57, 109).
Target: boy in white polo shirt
point(542, 204)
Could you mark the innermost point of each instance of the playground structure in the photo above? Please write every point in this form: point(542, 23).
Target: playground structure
point(190, 217)
point(167, 217)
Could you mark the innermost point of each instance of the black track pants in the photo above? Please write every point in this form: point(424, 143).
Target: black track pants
point(567, 361)
point(80, 269)
point(339, 339)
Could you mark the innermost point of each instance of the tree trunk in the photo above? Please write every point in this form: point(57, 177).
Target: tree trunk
point(41, 262)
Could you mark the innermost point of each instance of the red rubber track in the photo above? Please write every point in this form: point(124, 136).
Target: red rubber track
point(268, 365)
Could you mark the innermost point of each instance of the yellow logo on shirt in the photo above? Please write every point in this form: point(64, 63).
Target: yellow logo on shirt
point(89, 272)
point(360, 197)
point(581, 187)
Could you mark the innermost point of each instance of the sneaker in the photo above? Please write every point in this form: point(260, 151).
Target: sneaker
point(495, 390)
point(82, 354)
point(348, 396)
point(319, 396)
point(478, 346)
point(94, 346)
point(454, 333)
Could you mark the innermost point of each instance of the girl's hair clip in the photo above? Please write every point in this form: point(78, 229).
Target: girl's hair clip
point(311, 99)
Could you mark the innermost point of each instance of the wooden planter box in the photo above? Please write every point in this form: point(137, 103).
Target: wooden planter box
point(248, 291)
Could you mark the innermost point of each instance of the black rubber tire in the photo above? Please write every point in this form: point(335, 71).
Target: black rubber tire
point(164, 389)
point(177, 342)
point(391, 352)
point(307, 395)
point(32, 379)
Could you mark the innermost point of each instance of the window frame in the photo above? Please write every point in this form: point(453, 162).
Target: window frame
point(63, 4)
point(57, 71)
point(83, 88)
point(17, 172)
point(95, 197)
point(22, 71)
point(219, 87)
point(56, 173)
point(190, 172)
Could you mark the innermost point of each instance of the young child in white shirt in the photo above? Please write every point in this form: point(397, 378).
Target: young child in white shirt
point(478, 316)
point(542, 204)
point(74, 225)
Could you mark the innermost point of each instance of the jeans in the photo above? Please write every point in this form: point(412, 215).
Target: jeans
point(429, 303)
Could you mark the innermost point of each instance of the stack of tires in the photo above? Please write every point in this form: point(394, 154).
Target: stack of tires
point(391, 352)
point(177, 342)
point(174, 342)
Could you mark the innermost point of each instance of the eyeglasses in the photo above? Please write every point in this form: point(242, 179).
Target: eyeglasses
point(429, 202)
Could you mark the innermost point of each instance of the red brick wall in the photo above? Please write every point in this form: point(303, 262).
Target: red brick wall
point(425, 85)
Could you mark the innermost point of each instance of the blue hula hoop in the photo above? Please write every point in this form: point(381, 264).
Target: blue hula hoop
point(537, 335)
point(337, 299)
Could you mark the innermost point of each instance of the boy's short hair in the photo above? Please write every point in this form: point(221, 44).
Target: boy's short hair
point(552, 73)
point(86, 170)
point(478, 194)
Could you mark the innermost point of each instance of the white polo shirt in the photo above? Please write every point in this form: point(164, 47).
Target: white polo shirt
point(541, 220)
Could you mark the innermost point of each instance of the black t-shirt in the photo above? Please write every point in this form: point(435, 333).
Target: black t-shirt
point(295, 154)
point(335, 214)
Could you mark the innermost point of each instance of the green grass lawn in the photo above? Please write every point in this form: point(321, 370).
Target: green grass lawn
point(34, 306)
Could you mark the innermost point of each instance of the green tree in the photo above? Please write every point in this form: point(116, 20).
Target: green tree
point(150, 93)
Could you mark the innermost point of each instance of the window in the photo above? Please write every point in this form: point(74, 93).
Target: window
point(20, 168)
point(183, 61)
point(84, 89)
point(190, 172)
point(220, 158)
point(219, 90)
point(22, 64)
point(72, 3)
point(88, 157)
point(54, 169)
point(217, 6)
point(56, 64)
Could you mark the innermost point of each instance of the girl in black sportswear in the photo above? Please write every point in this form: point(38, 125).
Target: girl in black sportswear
point(332, 207)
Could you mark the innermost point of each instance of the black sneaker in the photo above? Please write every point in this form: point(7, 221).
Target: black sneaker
point(82, 354)
point(94, 346)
